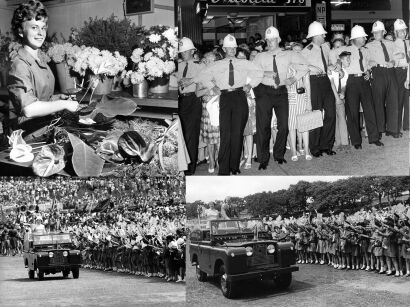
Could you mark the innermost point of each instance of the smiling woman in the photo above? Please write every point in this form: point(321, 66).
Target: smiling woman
point(31, 82)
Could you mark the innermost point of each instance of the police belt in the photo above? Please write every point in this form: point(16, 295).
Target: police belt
point(187, 94)
point(357, 75)
point(229, 90)
point(381, 66)
point(280, 87)
point(319, 75)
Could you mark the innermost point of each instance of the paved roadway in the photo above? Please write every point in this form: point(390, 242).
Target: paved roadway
point(392, 160)
point(93, 288)
point(313, 285)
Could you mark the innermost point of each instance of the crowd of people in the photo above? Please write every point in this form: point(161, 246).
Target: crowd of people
point(242, 103)
point(369, 240)
point(136, 227)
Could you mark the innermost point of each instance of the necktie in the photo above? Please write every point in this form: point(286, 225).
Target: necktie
point(406, 51)
point(184, 73)
point(275, 70)
point(386, 55)
point(185, 70)
point(361, 60)
point(339, 90)
point(323, 59)
point(231, 78)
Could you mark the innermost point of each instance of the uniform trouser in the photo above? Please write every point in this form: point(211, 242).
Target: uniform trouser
point(267, 98)
point(322, 97)
point(358, 91)
point(233, 115)
point(341, 136)
point(403, 93)
point(190, 112)
point(386, 106)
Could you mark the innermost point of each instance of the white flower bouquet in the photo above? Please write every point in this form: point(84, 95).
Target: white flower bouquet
point(98, 62)
point(66, 52)
point(155, 57)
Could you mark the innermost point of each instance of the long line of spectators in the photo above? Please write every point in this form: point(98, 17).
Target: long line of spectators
point(135, 226)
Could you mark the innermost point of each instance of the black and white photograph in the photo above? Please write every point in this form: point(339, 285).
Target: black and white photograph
point(88, 88)
point(92, 242)
point(298, 241)
point(305, 87)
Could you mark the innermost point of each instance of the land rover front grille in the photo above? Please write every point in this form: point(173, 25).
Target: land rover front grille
point(58, 258)
point(259, 255)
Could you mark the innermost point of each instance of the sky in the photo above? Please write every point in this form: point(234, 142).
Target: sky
point(209, 188)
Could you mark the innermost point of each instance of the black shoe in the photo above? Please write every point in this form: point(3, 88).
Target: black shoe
point(394, 135)
point(377, 143)
point(280, 160)
point(317, 155)
point(204, 161)
point(235, 172)
point(255, 159)
point(358, 146)
point(329, 152)
point(263, 166)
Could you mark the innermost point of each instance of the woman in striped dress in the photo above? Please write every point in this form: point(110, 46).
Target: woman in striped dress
point(298, 104)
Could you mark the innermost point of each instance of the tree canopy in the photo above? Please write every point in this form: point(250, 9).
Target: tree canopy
point(345, 194)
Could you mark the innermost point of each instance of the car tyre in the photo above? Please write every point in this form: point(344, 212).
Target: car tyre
point(40, 274)
point(200, 275)
point(283, 281)
point(76, 272)
point(31, 274)
point(66, 273)
point(227, 287)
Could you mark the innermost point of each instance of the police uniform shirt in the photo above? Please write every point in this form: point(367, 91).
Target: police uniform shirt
point(354, 67)
point(399, 49)
point(218, 74)
point(376, 52)
point(313, 55)
point(194, 69)
point(283, 58)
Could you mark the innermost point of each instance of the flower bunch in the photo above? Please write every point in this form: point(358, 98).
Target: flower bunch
point(98, 62)
point(155, 56)
point(63, 52)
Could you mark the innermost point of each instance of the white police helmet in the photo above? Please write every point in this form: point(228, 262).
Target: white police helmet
point(230, 42)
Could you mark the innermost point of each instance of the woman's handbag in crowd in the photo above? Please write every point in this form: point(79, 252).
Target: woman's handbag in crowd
point(310, 120)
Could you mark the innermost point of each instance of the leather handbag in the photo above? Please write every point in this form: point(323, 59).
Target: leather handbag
point(310, 120)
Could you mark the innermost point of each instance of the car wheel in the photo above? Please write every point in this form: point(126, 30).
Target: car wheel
point(40, 274)
point(200, 275)
point(227, 287)
point(66, 273)
point(31, 274)
point(76, 272)
point(283, 281)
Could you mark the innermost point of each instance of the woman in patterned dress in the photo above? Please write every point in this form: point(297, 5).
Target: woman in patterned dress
point(298, 104)
point(209, 133)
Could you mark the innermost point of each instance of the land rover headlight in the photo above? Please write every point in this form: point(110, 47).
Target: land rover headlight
point(51, 254)
point(65, 253)
point(249, 251)
point(271, 248)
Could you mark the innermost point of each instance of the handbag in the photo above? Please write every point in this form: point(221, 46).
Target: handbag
point(310, 120)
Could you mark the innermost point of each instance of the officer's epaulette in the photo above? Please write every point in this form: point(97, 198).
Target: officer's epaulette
point(310, 47)
point(197, 62)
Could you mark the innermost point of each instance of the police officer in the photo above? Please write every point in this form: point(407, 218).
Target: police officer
point(402, 55)
point(189, 105)
point(321, 140)
point(272, 93)
point(358, 90)
point(384, 85)
point(230, 77)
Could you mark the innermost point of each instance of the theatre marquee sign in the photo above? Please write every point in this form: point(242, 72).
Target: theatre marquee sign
point(261, 3)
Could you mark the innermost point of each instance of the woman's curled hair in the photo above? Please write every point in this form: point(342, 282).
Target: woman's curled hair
point(32, 9)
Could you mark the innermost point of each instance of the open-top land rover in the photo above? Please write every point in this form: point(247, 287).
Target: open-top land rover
point(236, 250)
point(50, 253)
